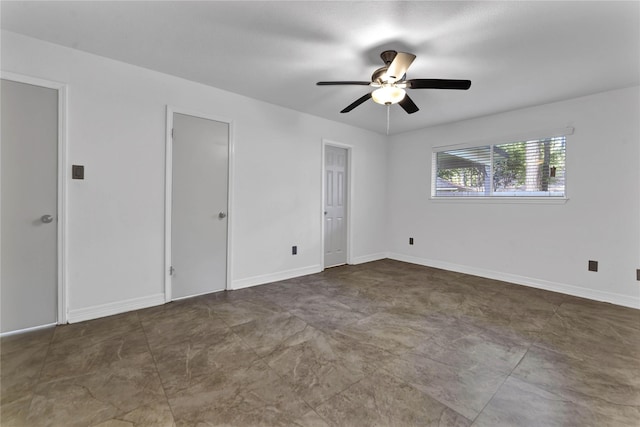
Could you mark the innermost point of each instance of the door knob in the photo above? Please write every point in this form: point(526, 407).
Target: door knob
point(46, 218)
point(222, 215)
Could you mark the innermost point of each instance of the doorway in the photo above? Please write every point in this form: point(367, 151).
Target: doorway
point(336, 202)
point(197, 205)
point(32, 216)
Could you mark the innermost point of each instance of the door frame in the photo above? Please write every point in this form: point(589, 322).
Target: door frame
point(349, 194)
point(62, 185)
point(168, 184)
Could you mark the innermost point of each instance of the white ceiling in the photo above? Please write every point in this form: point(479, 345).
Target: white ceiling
point(516, 54)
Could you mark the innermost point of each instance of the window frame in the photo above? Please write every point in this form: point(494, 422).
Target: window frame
point(528, 136)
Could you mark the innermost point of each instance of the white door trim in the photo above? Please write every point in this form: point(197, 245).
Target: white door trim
point(63, 297)
point(168, 191)
point(349, 149)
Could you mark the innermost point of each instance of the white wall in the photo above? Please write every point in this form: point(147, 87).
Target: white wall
point(116, 128)
point(541, 245)
point(116, 125)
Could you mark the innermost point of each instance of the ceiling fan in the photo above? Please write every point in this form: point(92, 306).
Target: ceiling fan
point(390, 83)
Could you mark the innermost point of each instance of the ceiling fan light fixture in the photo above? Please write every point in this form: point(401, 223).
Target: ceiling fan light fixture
point(389, 83)
point(387, 95)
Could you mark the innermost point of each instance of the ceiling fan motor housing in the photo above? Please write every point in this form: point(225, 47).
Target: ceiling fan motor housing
point(388, 56)
point(378, 74)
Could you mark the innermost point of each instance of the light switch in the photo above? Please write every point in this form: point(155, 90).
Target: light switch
point(77, 172)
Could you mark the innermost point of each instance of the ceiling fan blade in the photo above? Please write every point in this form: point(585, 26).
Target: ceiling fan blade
point(399, 66)
point(409, 106)
point(438, 84)
point(357, 102)
point(343, 83)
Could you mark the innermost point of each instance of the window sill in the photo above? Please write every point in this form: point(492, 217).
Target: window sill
point(503, 200)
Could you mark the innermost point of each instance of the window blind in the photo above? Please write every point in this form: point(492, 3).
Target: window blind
point(533, 168)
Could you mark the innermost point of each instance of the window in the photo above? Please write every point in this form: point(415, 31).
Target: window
point(534, 168)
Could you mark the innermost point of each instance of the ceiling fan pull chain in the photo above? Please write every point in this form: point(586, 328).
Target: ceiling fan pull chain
point(388, 111)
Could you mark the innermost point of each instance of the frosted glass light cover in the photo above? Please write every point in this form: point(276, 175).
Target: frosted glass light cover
point(388, 95)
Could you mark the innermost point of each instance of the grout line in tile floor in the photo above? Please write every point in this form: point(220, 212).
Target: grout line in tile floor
point(155, 364)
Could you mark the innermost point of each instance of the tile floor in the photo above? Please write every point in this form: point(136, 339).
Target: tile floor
point(378, 344)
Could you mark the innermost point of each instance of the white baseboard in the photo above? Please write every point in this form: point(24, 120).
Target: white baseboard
point(274, 277)
point(31, 329)
point(110, 309)
point(103, 310)
point(369, 258)
point(618, 299)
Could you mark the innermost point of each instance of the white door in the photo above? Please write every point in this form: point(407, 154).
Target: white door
point(29, 179)
point(200, 162)
point(335, 206)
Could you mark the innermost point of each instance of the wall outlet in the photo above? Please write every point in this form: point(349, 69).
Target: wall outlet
point(593, 265)
point(411, 240)
point(294, 250)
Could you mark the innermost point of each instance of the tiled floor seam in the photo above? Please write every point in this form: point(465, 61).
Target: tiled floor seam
point(264, 357)
point(504, 381)
point(285, 380)
point(155, 365)
point(551, 390)
point(492, 396)
point(386, 372)
point(336, 394)
point(544, 326)
point(532, 344)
